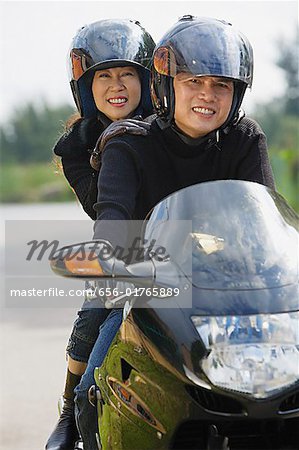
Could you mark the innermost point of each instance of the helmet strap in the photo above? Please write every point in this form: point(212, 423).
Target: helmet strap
point(233, 117)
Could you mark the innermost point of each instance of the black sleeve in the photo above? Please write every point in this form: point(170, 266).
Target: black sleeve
point(118, 186)
point(253, 159)
point(83, 179)
point(75, 147)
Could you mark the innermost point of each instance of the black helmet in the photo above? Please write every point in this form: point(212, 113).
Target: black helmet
point(105, 44)
point(202, 46)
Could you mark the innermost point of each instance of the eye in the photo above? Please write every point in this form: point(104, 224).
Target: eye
point(223, 85)
point(102, 75)
point(128, 73)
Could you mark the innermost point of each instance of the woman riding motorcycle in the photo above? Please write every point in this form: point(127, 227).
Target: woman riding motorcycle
point(109, 78)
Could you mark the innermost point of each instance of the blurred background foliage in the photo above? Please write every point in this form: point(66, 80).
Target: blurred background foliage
point(28, 173)
point(280, 119)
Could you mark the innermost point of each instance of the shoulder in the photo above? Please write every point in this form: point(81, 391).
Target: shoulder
point(137, 144)
point(246, 134)
point(79, 138)
point(245, 137)
point(247, 127)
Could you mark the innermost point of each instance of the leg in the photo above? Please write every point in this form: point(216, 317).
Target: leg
point(84, 334)
point(85, 413)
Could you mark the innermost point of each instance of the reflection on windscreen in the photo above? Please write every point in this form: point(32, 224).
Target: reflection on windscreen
point(241, 254)
point(239, 238)
point(208, 243)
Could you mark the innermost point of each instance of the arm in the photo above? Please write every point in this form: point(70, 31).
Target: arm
point(131, 126)
point(118, 186)
point(254, 164)
point(74, 147)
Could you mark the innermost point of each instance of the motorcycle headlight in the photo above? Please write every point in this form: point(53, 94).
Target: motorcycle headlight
point(257, 355)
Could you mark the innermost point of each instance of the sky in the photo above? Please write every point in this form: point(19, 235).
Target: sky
point(36, 35)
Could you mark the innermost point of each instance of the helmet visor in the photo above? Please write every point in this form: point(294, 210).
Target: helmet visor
point(214, 49)
point(79, 64)
point(104, 43)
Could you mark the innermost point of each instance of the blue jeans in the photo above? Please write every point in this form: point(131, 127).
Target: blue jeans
point(86, 414)
point(85, 333)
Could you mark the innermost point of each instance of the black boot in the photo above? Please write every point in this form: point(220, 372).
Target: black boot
point(65, 434)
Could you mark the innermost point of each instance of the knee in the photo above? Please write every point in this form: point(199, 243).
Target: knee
point(84, 334)
point(112, 323)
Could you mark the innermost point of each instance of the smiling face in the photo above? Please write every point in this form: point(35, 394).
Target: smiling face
point(202, 104)
point(116, 91)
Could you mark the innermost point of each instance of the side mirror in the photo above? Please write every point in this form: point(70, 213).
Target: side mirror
point(96, 259)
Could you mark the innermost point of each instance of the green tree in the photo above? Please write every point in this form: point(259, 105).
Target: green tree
point(288, 62)
point(279, 119)
point(30, 134)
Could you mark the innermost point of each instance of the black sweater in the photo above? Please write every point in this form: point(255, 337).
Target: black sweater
point(74, 147)
point(137, 172)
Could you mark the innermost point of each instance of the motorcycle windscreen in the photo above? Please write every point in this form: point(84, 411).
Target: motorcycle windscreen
point(244, 236)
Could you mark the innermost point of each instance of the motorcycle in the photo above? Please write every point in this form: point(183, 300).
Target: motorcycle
point(207, 356)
